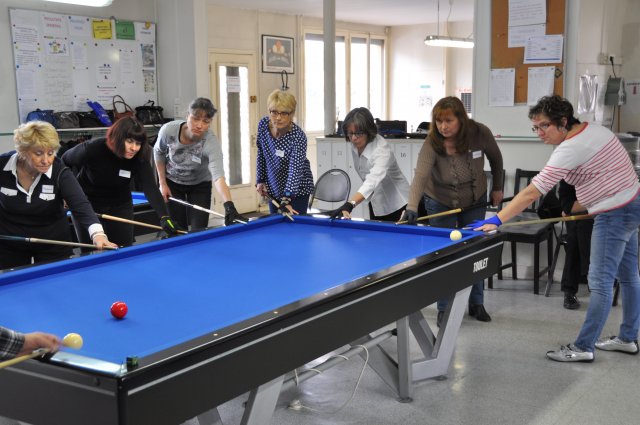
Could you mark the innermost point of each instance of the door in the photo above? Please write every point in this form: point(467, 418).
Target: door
point(233, 85)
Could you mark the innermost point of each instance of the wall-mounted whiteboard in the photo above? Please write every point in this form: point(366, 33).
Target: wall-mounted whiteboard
point(61, 61)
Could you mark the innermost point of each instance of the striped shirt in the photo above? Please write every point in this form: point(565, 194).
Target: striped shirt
point(596, 163)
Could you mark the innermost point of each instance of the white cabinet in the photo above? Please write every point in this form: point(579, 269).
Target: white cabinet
point(336, 153)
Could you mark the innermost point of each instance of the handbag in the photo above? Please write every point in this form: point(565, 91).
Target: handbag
point(41, 115)
point(119, 101)
point(89, 119)
point(149, 113)
point(66, 119)
point(100, 113)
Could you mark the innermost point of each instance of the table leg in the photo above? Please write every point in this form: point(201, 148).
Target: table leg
point(262, 403)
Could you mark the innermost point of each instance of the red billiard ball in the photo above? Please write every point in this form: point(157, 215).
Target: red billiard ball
point(119, 309)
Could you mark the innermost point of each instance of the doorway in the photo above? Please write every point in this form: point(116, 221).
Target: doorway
point(233, 85)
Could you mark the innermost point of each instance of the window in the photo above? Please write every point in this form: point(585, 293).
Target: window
point(364, 58)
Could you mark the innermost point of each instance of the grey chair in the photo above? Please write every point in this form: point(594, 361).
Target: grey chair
point(333, 186)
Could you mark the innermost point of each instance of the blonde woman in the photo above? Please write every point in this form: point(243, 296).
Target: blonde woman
point(34, 186)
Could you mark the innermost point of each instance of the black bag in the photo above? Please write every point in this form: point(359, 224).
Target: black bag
point(67, 119)
point(41, 115)
point(550, 205)
point(89, 119)
point(149, 114)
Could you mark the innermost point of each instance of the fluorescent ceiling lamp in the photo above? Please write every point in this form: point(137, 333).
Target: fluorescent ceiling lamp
point(444, 41)
point(93, 3)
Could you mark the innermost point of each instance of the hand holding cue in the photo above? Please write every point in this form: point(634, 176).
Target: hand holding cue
point(71, 340)
point(51, 242)
point(277, 205)
point(137, 223)
point(198, 207)
point(426, 217)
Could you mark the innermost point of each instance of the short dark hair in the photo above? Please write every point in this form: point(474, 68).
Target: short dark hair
point(124, 129)
point(555, 108)
point(204, 105)
point(363, 120)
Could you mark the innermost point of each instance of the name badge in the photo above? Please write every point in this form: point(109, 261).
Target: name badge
point(124, 173)
point(47, 196)
point(476, 154)
point(279, 153)
point(47, 188)
point(196, 159)
point(8, 192)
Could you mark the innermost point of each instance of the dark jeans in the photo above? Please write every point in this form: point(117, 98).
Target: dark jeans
point(452, 221)
point(577, 250)
point(299, 203)
point(197, 194)
point(394, 216)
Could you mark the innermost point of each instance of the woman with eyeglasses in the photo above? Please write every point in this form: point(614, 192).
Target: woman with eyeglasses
point(591, 158)
point(283, 172)
point(450, 175)
point(188, 159)
point(383, 184)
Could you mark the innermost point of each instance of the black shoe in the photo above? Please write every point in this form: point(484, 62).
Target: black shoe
point(439, 318)
point(571, 302)
point(478, 311)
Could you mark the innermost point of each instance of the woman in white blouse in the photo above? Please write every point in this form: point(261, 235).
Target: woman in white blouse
point(384, 185)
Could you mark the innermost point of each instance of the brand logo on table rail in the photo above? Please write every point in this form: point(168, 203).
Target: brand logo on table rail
point(480, 265)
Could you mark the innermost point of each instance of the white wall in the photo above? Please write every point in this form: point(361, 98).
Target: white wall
point(138, 10)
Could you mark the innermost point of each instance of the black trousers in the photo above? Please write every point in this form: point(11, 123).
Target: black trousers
point(394, 216)
point(117, 232)
point(197, 194)
point(577, 250)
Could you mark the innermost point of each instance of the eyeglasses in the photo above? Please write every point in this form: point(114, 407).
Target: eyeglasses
point(544, 126)
point(356, 134)
point(283, 114)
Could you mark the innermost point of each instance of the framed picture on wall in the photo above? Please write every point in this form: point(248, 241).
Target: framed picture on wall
point(277, 54)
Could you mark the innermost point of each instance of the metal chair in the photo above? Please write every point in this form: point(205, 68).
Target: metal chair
point(533, 234)
point(333, 186)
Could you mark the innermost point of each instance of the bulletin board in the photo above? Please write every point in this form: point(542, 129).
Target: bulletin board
point(61, 61)
point(502, 56)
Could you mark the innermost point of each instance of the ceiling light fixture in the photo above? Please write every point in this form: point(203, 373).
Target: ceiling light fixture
point(446, 41)
point(92, 3)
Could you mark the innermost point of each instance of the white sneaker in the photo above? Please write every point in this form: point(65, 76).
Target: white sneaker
point(613, 343)
point(570, 353)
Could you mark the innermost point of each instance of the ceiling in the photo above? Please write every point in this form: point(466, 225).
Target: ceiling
point(375, 12)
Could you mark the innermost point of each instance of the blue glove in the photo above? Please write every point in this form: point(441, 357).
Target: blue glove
point(479, 223)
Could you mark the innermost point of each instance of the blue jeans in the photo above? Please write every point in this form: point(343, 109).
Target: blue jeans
point(457, 220)
point(614, 252)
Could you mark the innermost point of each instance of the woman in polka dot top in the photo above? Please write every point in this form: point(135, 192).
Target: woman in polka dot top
point(283, 170)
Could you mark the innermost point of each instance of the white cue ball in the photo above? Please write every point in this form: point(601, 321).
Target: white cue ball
point(72, 340)
point(455, 235)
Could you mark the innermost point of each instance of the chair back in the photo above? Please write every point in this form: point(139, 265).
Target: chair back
point(489, 186)
point(333, 186)
point(523, 179)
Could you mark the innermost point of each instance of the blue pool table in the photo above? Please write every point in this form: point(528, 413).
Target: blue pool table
point(217, 313)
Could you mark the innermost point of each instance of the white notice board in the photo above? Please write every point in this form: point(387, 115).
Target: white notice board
point(61, 61)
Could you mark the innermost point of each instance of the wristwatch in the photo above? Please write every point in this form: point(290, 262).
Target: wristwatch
point(354, 203)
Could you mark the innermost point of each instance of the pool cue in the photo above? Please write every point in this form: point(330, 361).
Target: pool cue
point(36, 353)
point(198, 207)
point(137, 223)
point(277, 205)
point(548, 220)
point(51, 242)
point(457, 210)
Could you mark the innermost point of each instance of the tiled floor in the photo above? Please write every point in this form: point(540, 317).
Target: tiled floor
point(499, 375)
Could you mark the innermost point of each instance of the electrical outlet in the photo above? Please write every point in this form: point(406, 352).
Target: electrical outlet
point(605, 59)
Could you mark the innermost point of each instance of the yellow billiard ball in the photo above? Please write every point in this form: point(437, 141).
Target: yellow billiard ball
point(455, 235)
point(72, 340)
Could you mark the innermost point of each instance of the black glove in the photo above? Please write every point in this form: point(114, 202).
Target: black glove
point(411, 217)
point(168, 226)
point(284, 201)
point(231, 214)
point(347, 206)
